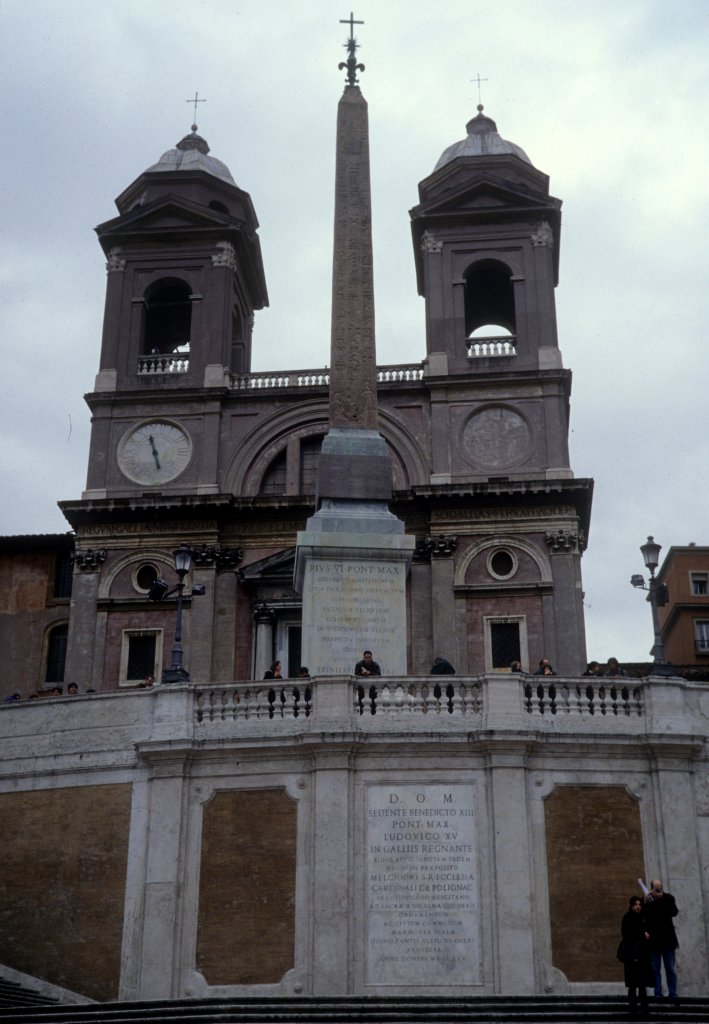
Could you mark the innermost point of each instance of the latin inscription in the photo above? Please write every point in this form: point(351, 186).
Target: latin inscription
point(422, 886)
point(355, 601)
point(455, 514)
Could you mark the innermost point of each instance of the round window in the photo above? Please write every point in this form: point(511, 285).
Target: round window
point(145, 577)
point(502, 564)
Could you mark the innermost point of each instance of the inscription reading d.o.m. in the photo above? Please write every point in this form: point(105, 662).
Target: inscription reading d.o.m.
point(422, 886)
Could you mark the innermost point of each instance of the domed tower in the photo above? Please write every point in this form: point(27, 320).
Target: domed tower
point(185, 275)
point(486, 243)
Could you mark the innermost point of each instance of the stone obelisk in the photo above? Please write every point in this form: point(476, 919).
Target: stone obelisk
point(353, 556)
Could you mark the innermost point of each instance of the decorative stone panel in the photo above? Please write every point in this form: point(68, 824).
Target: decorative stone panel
point(246, 917)
point(594, 847)
point(62, 891)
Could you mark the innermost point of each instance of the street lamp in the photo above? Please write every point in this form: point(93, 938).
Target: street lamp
point(658, 596)
point(160, 588)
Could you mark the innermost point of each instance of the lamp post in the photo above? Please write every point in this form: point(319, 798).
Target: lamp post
point(177, 673)
point(658, 596)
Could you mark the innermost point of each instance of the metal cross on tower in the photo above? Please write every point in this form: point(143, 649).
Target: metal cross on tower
point(196, 100)
point(478, 80)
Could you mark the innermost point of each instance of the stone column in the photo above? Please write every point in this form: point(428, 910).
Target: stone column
point(512, 886)
point(442, 601)
point(82, 629)
point(224, 627)
point(680, 864)
point(157, 974)
point(265, 619)
point(201, 625)
point(421, 624)
point(332, 871)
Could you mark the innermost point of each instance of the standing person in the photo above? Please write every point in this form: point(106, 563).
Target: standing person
point(441, 667)
point(274, 672)
point(367, 666)
point(636, 955)
point(545, 668)
point(660, 908)
point(614, 669)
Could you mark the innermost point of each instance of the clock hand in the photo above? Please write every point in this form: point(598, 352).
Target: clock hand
point(155, 451)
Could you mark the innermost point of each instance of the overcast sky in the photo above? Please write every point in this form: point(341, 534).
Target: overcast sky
point(610, 99)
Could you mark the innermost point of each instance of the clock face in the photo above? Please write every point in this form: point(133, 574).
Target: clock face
point(154, 452)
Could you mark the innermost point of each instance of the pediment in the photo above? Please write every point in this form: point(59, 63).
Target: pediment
point(170, 213)
point(272, 569)
point(482, 194)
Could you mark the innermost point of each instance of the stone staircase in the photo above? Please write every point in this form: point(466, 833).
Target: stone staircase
point(13, 994)
point(362, 1010)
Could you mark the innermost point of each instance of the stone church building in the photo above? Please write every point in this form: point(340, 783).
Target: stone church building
point(433, 836)
point(477, 432)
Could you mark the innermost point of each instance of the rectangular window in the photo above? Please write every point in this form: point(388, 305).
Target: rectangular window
point(699, 584)
point(63, 575)
point(701, 636)
point(505, 641)
point(141, 656)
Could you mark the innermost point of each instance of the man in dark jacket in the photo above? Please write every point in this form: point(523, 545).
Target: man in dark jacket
point(367, 666)
point(660, 908)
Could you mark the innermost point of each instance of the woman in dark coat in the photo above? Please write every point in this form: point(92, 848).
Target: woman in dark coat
point(636, 955)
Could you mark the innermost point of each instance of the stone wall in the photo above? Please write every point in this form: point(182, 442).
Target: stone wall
point(62, 889)
point(238, 839)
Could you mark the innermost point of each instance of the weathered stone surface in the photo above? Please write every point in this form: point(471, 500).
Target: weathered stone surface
point(423, 919)
point(594, 858)
point(246, 921)
point(64, 854)
point(353, 373)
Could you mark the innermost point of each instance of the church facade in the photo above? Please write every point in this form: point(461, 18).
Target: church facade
point(190, 446)
point(228, 836)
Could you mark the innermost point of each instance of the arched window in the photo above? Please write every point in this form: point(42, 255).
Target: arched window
point(56, 654)
point(168, 317)
point(309, 461)
point(274, 479)
point(489, 299)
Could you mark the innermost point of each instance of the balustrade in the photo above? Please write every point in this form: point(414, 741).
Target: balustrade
point(486, 348)
point(163, 363)
point(453, 698)
point(569, 698)
point(259, 702)
point(317, 378)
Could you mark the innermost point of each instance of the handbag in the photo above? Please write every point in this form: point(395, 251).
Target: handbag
point(621, 952)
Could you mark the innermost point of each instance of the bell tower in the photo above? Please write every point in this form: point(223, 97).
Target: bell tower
point(486, 243)
point(185, 276)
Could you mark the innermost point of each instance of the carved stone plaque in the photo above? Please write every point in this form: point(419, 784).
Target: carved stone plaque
point(496, 438)
point(423, 924)
point(350, 606)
